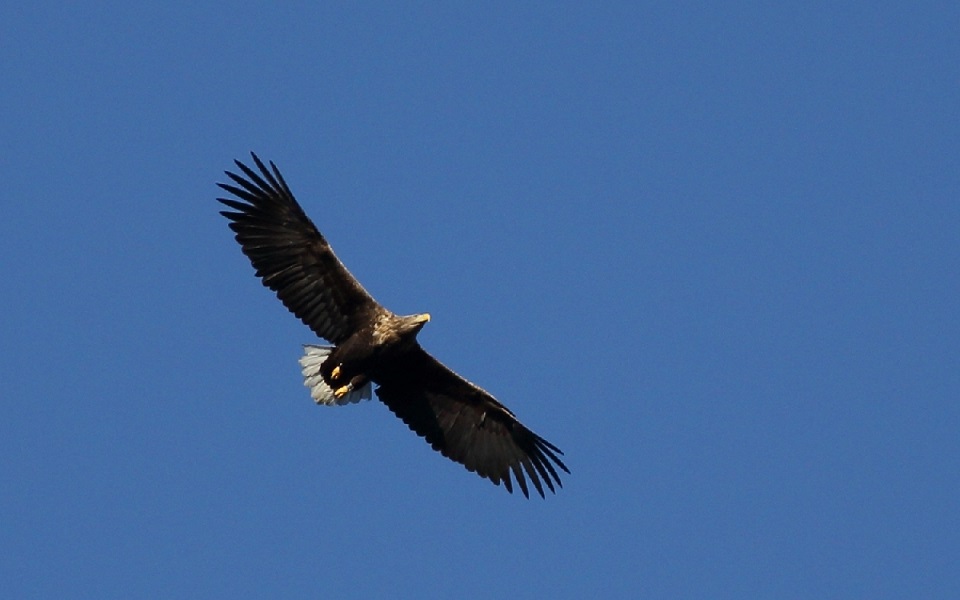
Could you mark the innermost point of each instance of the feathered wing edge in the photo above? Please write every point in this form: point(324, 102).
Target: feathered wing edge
point(467, 425)
point(291, 256)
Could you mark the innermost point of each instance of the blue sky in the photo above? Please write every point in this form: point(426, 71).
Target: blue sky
point(711, 252)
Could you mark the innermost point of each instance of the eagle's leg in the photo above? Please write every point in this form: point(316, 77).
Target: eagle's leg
point(335, 374)
point(355, 383)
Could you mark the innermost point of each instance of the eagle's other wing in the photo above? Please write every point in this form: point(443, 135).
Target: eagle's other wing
point(291, 256)
point(466, 424)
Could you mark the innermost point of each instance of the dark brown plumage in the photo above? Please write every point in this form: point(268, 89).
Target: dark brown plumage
point(371, 345)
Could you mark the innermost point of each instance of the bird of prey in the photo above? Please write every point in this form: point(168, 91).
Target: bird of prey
point(371, 345)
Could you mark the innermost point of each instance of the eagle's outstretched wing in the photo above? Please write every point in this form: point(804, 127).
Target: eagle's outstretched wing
point(291, 256)
point(465, 423)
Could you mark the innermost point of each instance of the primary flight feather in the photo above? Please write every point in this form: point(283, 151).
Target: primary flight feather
point(373, 346)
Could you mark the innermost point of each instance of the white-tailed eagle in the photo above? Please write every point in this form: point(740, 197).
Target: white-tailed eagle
point(373, 346)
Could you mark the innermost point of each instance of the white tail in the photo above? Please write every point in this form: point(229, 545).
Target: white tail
point(313, 357)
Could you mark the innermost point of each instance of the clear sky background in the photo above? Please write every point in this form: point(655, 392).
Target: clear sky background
point(709, 250)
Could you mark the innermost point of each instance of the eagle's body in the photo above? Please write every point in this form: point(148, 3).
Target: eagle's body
point(373, 346)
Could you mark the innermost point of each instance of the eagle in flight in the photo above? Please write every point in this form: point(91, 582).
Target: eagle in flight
point(373, 346)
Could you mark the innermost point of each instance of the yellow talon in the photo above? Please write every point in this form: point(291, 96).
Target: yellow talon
point(335, 374)
point(342, 391)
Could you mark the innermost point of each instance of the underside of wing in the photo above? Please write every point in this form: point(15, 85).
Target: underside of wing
point(466, 424)
point(291, 256)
